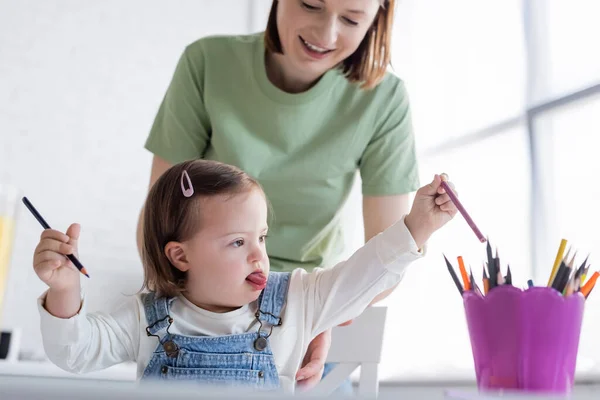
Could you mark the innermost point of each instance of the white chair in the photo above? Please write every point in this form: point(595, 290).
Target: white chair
point(353, 346)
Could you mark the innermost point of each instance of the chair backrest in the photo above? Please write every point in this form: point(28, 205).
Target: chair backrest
point(353, 346)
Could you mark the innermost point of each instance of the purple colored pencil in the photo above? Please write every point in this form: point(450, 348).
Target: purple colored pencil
point(464, 213)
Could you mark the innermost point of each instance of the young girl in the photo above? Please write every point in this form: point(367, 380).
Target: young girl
point(213, 313)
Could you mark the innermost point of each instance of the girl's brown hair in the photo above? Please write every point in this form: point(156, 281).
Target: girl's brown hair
point(368, 64)
point(171, 216)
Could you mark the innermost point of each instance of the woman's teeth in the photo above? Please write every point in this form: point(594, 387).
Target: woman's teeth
point(314, 48)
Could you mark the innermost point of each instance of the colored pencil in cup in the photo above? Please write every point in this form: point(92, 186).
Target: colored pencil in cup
point(486, 282)
point(45, 225)
point(584, 275)
point(587, 288)
point(463, 273)
point(508, 278)
point(498, 269)
point(491, 265)
point(584, 270)
point(570, 278)
point(500, 278)
point(569, 275)
point(473, 285)
point(454, 276)
point(571, 286)
point(581, 269)
point(560, 275)
point(557, 260)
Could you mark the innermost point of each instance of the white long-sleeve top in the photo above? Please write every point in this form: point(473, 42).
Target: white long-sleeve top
point(316, 301)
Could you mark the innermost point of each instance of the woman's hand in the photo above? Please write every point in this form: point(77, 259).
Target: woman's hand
point(314, 361)
point(431, 209)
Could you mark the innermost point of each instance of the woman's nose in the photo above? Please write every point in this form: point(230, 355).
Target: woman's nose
point(327, 33)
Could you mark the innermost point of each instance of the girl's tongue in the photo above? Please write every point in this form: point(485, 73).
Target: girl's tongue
point(257, 279)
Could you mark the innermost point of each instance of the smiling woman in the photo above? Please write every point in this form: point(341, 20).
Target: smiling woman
point(302, 108)
point(314, 36)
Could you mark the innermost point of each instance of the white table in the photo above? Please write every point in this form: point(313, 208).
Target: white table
point(32, 380)
point(120, 372)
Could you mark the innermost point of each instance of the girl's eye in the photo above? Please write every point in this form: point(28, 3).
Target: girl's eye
point(309, 7)
point(263, 238)
point(238, 243)
point(350, 22)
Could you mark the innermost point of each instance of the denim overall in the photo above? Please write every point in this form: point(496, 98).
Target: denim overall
point(243, 360)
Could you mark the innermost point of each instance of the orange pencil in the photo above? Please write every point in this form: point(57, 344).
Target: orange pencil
point(589, 285)
point(486, 282)
point(463, 273)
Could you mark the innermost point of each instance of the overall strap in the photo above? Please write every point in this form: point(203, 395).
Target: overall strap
point(157, 312)
point(273, 297)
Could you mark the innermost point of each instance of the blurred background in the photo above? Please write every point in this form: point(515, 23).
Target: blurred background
point(505, 98)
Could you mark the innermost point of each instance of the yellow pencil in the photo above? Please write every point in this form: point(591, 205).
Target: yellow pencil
point(559, 256)
point(584, 275)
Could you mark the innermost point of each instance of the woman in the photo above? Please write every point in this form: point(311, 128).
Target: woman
point(300, 107)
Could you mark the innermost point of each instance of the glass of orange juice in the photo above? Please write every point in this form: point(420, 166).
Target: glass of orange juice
point(9, 198)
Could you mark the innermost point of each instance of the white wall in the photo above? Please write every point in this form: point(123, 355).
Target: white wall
point(80, 82)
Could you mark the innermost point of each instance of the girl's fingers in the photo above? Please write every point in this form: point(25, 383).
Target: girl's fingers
point(54, 234)
point(449, 207)
point(442, 199)
point(55, 246)
point(49, 255)
point(52, 260)
point(73, 231)
point(441, 188)
point(46, 266)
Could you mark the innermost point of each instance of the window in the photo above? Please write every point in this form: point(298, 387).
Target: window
point(564, 38)
point(569, 137)
point(463, 63)
point(427, 310)
point(506, 100)
point(568, 169)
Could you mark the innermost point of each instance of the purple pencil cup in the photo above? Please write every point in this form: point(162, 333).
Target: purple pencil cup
point(524, 340)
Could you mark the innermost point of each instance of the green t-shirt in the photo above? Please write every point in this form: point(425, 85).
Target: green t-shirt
point(303, 148)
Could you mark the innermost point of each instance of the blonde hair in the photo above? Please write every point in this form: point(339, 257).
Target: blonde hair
point(368, 64)
point(171, 216)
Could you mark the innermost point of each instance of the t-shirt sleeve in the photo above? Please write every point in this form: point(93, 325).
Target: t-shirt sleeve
point(181, 129)
point(388, 165)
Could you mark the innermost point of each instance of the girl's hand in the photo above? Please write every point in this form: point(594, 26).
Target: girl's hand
point(50, 262)
point(431, 209)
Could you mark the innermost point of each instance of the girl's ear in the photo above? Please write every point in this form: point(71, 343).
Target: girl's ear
point(176, 255)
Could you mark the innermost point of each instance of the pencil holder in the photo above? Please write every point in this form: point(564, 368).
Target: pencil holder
point(524, 340)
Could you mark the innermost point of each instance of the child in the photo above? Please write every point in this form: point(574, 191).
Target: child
point(213, 313)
